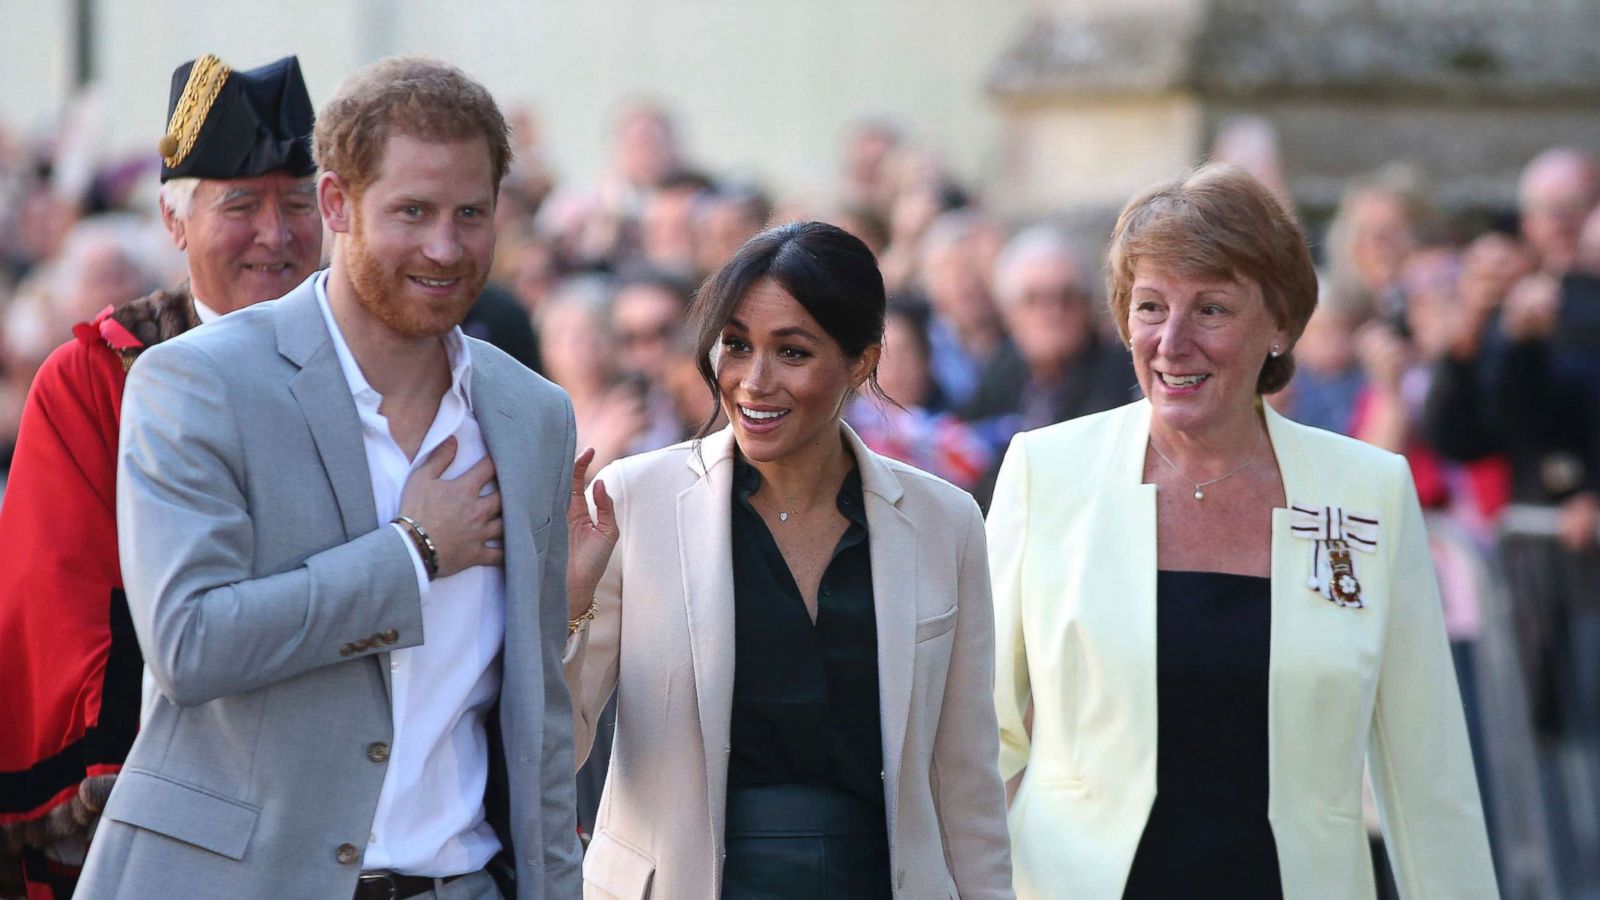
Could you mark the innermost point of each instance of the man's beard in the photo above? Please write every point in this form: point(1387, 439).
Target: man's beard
point(382, 291)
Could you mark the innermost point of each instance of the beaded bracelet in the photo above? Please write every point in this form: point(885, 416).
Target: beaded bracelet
point(425, 545)
point(583, 618)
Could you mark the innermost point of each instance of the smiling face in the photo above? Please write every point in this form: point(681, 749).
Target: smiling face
point(1198, 346)
point(248, 239)
point(783, 379)
point(420, 237)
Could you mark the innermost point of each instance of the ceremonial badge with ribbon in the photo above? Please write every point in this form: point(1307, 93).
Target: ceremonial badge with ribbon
point(1334, 532)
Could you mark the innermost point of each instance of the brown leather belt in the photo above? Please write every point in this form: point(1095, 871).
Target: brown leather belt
point(393, 886)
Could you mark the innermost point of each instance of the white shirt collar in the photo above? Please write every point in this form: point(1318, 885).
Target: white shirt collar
point(455, 347)
point(207, 314)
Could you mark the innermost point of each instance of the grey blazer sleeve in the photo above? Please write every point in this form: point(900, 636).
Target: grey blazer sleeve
point(563, 855)
point(209, 625)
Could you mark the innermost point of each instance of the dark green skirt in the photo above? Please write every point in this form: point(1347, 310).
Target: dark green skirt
point(799, 842)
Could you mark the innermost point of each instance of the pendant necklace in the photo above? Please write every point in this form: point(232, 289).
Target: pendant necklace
point(1200, 486)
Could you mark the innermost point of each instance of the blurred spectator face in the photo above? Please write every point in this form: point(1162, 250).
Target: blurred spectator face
point(248, 239)
point(647, 148)
point(1381, 238)
point(666, 228)
point(1327, 346)
point(29, 329)
point(903, 367)
point(1430, 278)
point(1046, 311)
point(45, 221)
point(531, 273)
point(1251, 143)
point(955, 281)
point(574, 346)
point(914, 209)
point(1556, 195)
point(722, 225)
point(866, 155)
point(646, 320)
point(1588, 260)
point(98, 274)
point(866, 225)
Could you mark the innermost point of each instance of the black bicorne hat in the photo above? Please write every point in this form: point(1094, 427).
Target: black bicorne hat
point(227, 124)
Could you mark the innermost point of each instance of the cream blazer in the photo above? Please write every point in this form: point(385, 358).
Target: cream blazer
point(1072, 542)
point(663, 637)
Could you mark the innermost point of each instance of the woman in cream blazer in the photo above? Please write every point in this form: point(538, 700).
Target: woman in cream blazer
point(662, 636)
point(1355, 665)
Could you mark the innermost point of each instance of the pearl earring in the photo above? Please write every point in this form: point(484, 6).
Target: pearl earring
point(1274, 354)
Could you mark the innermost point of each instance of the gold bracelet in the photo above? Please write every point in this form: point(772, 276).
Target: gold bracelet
point(583, 618)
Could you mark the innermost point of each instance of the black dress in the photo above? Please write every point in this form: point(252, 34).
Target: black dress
point(805, 812)
point(1208, 834)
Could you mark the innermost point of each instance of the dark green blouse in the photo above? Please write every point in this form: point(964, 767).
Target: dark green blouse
point(805, 697)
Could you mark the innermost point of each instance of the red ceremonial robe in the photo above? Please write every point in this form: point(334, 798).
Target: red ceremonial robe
point(70, 667)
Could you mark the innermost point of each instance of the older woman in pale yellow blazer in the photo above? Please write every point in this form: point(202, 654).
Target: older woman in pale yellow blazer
point(1210, 618)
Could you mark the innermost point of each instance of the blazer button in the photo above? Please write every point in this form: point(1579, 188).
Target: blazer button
point(347, 650)
point(391, 636)
point(375, 640)
point(378, 751)
point(346, 854)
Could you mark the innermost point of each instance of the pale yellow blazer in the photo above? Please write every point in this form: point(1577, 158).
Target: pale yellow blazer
point(663, 637)
point(1072, 544)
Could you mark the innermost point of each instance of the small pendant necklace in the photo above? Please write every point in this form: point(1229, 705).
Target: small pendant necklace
point(1200, 486)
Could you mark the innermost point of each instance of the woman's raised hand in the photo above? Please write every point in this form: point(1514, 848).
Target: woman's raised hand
point(590, 540)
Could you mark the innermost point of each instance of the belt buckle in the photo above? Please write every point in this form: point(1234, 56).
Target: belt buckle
point(384, 878)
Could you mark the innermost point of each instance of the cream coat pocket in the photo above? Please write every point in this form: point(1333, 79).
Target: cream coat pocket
point(616, 871)
point(933, 626)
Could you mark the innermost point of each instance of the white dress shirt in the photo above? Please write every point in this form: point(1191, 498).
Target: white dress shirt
point(206, 314)
point(430, 818)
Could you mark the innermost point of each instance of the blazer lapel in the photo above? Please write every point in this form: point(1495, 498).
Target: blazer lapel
point(507, 438)
point(1298, 629)
point(705, 548)
point(892, 539)
point(1122, 610)
point(324, 397)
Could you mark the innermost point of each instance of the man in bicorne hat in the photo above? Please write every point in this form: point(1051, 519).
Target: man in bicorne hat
point(239, 199)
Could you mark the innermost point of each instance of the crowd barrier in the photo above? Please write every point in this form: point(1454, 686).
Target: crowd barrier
point(1531, 682)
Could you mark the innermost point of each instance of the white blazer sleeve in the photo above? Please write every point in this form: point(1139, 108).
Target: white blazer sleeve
point(592, 655)
point(1008, 538)
point(1420, 758)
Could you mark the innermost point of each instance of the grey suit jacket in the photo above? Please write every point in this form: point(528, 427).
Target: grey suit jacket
point(267, 597)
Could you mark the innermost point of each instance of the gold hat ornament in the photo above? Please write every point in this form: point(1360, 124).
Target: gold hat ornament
point(199, 93)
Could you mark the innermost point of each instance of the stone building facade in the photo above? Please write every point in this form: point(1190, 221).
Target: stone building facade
point(1102, 97)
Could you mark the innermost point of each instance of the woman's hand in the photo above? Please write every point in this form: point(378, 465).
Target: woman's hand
point(589, 540)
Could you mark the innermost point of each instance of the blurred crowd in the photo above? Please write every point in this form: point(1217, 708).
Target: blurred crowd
point(1467, 351)
point(1469, 342)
